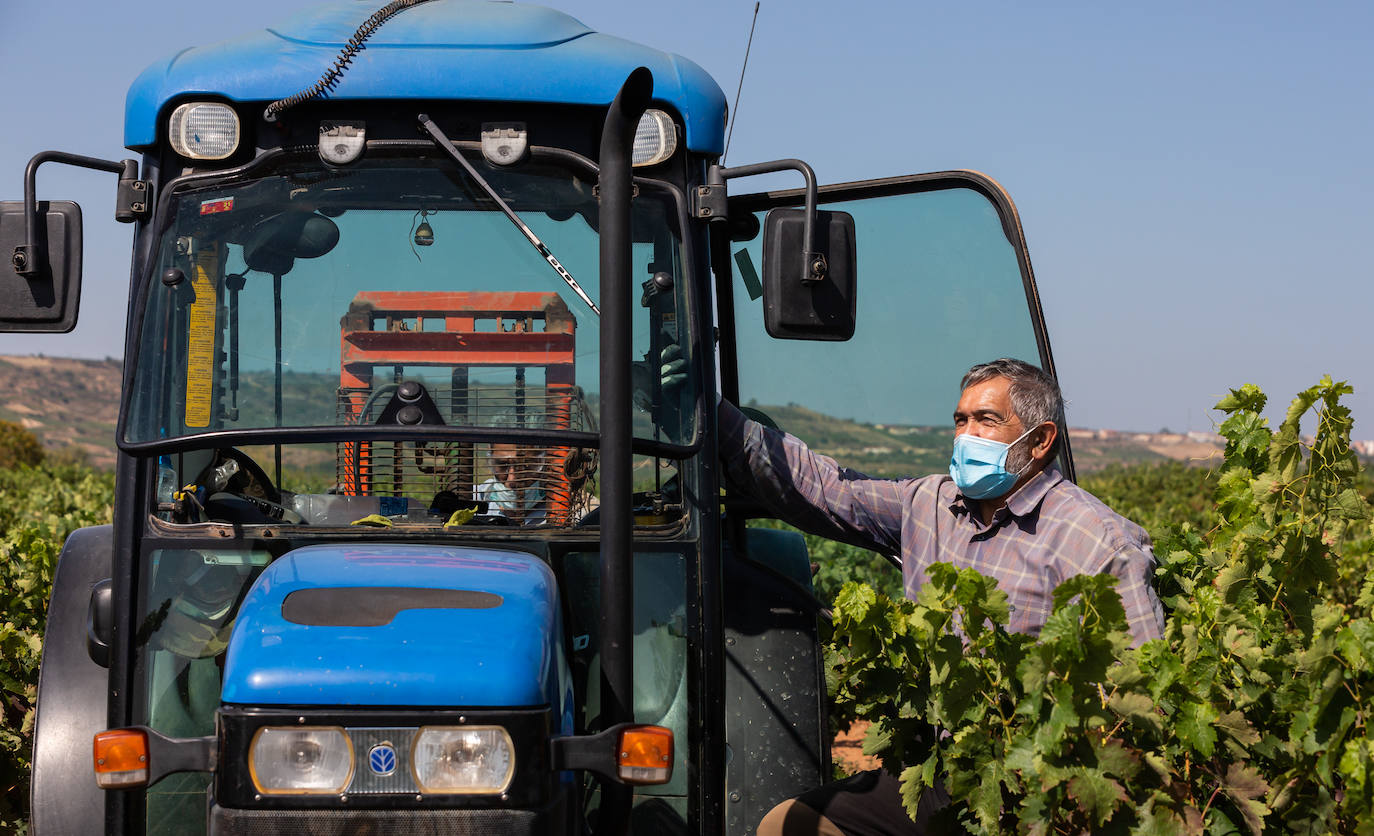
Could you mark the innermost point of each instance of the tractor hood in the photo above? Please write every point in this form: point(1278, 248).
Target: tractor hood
point(399, 625)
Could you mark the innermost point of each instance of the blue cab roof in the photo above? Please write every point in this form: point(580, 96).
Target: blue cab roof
point(443, 49)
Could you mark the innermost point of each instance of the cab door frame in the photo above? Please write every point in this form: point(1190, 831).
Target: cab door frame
point(746, 205)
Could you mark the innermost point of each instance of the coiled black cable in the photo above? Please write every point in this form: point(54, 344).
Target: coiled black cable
point(330, 79)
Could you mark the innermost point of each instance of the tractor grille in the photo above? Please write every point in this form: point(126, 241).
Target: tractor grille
point(527, 484)
point(398, 779)
point(227, 822)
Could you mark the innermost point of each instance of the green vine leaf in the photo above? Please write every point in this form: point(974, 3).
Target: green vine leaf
point(1097, 795)
point(1136, 707)
point(1246, 787)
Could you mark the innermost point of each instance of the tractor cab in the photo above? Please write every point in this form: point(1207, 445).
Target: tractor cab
point(337, 364)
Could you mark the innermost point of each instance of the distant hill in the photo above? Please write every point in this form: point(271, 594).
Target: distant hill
point(74, 403)
point(896, 450)
point(66, 402)
point(1096, 449)
point(875, 449)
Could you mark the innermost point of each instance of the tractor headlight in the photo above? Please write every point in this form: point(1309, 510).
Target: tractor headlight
point(655, 139)
point(463, 759)
point(204, 130)
point(300, 760)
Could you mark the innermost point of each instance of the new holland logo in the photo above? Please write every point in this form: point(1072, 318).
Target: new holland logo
point(382, 759)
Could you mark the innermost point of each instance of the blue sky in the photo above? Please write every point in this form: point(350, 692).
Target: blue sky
point(1193, 179)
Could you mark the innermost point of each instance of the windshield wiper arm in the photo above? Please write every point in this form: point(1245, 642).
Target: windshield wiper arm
point(444, 143)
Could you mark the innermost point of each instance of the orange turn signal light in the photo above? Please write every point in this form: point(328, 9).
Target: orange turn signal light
point(645, 755)
point(121, 759)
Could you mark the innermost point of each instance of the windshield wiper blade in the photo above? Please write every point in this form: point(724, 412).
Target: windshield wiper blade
point(444, 143)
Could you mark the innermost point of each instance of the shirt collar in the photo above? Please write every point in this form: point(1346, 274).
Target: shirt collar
point(1024, 501)
point(1029, 496)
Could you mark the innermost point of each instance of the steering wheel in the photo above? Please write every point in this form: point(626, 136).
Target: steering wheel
point(249, 481)
point(247, 496)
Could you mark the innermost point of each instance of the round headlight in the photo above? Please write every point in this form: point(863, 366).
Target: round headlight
point(463, 759)
point(204, 130)
point(300, 760)
point(655, 139)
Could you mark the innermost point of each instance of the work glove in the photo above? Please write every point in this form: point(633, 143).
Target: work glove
point(672, 373)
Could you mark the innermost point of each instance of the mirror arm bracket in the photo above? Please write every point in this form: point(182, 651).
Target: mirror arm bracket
point(711, 202)
point(132, 201)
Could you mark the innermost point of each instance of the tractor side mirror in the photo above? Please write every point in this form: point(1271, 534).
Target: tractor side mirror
point(40, 287)
point(796, 304)
point(40, 290)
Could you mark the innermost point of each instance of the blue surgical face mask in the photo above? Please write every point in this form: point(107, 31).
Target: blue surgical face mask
point(978, 466)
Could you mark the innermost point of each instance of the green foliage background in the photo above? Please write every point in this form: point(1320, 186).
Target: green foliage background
point(1160, 497)
point(1250, 715)
point(18, 447)
point(40, 504)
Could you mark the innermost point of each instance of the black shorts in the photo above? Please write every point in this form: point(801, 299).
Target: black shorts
point(870, 804)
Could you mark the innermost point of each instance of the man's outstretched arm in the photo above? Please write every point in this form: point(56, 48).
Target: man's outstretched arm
point(810, 490)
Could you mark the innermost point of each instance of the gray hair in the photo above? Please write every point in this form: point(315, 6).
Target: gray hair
point(1035, 396)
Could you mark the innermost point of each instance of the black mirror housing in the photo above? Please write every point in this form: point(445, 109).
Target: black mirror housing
point(797, 309)
point(100, 622)
point(47, 300)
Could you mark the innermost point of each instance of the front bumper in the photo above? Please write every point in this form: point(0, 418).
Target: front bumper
point(230, 822)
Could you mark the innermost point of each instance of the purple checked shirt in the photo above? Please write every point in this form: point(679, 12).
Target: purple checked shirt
point(1049, 530)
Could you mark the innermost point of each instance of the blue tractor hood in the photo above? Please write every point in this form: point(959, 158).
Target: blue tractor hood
point(443, 49)
point(399, 625)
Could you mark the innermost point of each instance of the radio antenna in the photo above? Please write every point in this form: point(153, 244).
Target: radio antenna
point(734, 111)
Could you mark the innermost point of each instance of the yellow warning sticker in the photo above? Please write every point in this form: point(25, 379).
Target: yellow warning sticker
point(200, 340)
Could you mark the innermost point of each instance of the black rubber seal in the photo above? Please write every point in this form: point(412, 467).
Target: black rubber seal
point(375, 606)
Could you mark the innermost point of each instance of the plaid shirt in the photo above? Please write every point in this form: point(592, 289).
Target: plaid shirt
point(1048, 531)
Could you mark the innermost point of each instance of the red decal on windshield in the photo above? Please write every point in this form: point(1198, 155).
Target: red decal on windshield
point(210, 207)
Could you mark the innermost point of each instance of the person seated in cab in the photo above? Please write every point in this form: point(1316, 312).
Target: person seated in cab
point(516, 488)
point(1003, 509)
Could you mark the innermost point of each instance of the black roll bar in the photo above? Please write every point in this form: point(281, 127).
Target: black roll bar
point(617, 522)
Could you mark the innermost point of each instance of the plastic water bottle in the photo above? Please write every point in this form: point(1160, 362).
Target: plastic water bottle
point(166, 481)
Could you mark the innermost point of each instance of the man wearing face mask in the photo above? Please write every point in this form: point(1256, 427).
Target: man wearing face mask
point(1002, 509)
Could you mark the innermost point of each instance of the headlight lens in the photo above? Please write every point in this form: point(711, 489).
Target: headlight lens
point(655, 139)
point(463, 759)
point(204, 130)
point(300, 760)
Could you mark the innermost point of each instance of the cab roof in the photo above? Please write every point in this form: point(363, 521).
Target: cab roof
point(481, 50)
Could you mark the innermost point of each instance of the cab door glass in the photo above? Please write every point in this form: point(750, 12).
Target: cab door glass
point(660, 661)
point(193, 598)
point(940, 288)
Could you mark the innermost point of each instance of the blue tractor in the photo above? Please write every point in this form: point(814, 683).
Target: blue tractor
point(420, 525)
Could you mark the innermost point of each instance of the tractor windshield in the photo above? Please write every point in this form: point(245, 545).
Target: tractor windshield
point(396, 293)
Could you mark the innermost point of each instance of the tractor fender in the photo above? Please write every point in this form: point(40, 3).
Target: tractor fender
point(776, 722)
point(72, 693)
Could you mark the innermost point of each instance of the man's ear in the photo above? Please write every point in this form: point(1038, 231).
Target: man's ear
point(1044, 442)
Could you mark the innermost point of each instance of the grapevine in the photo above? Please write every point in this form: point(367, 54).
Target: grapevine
point(40, 504)
point(1251, 715)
